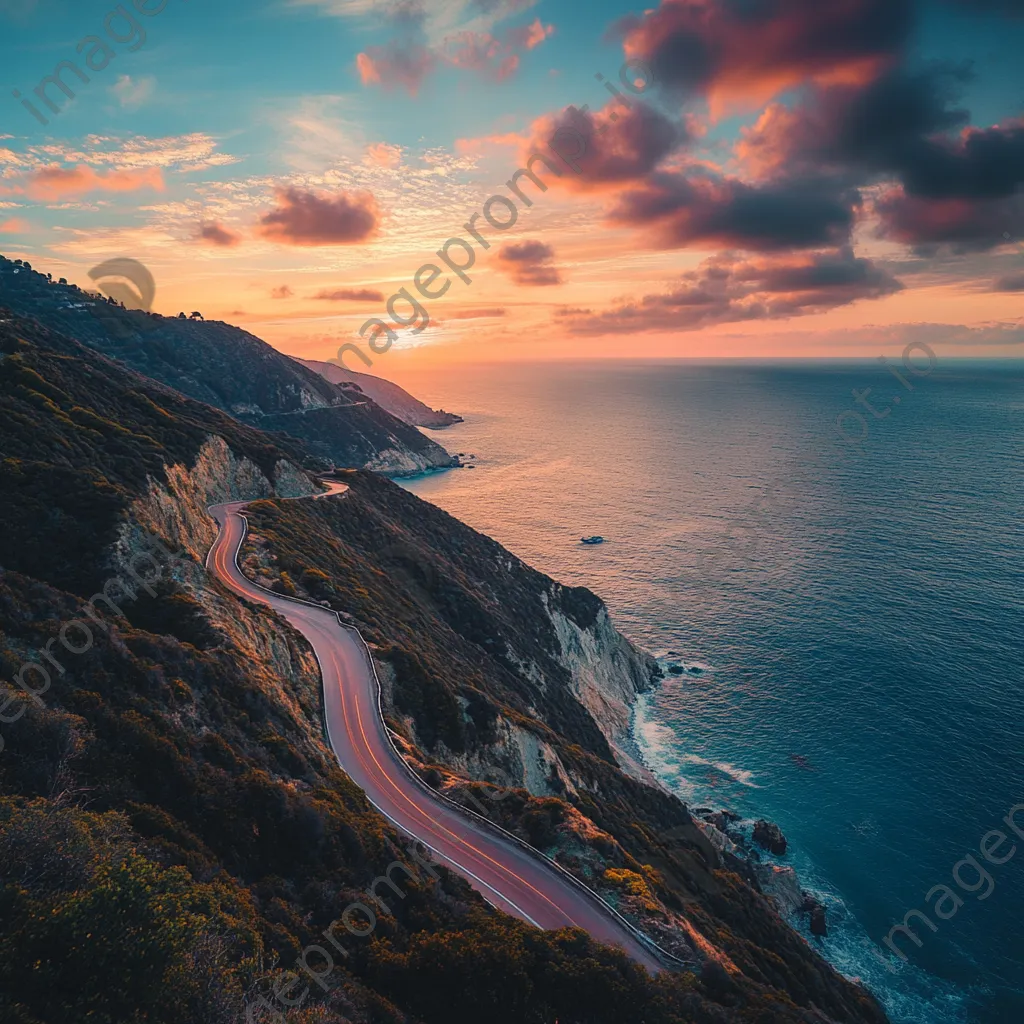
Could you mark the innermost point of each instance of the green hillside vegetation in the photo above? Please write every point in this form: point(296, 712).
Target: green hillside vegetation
point(173, 829)
point(80, 436)
point(444, 604)
point(224, 366)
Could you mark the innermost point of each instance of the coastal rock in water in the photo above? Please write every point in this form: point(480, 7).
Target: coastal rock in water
point(769, 836)
point(816, 909)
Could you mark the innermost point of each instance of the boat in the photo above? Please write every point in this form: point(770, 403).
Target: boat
point(592, 540)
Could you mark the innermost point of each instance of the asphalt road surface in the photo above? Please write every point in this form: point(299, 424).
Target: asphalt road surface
point(506, 874)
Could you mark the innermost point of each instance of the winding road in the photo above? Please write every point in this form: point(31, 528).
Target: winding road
point(507, 874)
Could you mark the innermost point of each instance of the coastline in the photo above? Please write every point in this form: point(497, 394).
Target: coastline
point(908, 994)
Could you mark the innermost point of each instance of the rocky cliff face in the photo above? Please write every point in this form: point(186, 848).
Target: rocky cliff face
point(175, 509)
point(606, 673)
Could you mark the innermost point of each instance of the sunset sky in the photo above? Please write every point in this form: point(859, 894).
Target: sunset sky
point(802, 177)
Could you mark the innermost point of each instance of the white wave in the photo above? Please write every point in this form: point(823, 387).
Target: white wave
point(740, 775)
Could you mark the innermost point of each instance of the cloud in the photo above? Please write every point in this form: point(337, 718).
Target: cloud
point(55, 182)
point(350, 295)
point(755, 49)
point(477, 314)
point(217, 234)
point(529, 263)
point(480, 51)
point(728, 288)
point(193, 152)
point(427, 38)
point(383, 154)
point(882, 126)
point(900, 124)
point(701, 207)
point(14, 226)
point(309, 218)
point(529, 36)
point(282, 291)
point(959, 225)
point(133, 93)
point(613, 146)
point(983, 163)
point(396, 65)
point(1010, 283)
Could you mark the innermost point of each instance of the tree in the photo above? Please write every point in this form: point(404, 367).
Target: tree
point(181, 316)
point(63, 280)
point(195, 315)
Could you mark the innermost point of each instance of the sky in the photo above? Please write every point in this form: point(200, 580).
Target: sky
point(713, 178)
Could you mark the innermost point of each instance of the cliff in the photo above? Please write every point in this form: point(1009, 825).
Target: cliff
point(387, 395)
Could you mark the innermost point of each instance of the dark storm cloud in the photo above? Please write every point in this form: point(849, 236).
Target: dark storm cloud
point(612, 146)
point(682, 209)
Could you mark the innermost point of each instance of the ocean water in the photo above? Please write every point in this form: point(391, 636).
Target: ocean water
point(847, 618)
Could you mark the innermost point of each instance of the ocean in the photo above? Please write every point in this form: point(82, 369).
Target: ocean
point(845, 619)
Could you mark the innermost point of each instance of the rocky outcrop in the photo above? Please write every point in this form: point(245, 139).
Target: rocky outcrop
point(607, 673)
point(736, 839)
point(176, 511)
point(769, 837)
point(176, 514)
point(406, 462)
point(816, 909)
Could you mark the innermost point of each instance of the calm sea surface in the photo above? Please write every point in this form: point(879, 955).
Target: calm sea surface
point(848, 621)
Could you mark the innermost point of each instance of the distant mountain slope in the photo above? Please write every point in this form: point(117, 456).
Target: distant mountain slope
point(387, 395)
point(232, 370)
point(81, 436)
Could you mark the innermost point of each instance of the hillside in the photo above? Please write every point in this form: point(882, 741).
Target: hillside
point(231, 370)
point(387, 395)
point(492, 668)
point(173, 828)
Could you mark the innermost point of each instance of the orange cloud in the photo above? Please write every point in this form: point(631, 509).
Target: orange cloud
point(740, 55)
point(530, 36)
point(14, 226)
point(406, 66)
point(383, 154)
point(56, 182)
point(609, 148)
